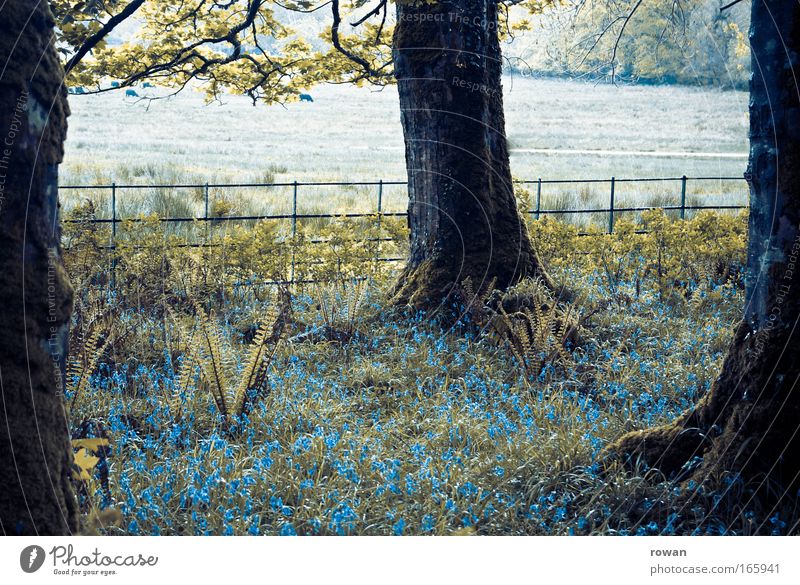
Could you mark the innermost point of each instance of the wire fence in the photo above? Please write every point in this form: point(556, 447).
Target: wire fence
point(623, 197)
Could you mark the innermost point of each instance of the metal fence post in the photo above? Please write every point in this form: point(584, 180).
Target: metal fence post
point(113, 235)
point(611, 207)
point(538, 197)
point(205, 198)
point(378, 233)
point(294, 228)
point(205, 214)
point(294, 209)
point(683, 197)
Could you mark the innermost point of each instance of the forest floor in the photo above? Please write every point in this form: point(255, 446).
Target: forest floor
point(373, 421)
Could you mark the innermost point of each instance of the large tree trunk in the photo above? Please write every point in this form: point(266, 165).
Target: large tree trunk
point(35, 297)
point(462, 211)
point(748, 422)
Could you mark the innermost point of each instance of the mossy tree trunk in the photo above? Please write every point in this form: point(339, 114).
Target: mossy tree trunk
point(463, 215)
point(749, 422)
point(35, 297)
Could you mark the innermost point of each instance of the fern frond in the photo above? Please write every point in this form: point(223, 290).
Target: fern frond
point(210, 358)
point(356, 297)
point(253, 372)
point(81, 369)
point(184, 380)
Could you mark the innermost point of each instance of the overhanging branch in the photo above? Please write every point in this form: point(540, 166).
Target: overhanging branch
point(104, 31)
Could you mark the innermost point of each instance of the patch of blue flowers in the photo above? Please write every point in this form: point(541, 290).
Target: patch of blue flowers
point(409, 429)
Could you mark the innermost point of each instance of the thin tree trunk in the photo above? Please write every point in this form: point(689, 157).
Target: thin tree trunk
point(748, 422)
point(463, 215)
point(35, 456)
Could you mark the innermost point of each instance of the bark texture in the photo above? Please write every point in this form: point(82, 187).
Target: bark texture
point(36, 299)
point(748, 422)
point(463, 215)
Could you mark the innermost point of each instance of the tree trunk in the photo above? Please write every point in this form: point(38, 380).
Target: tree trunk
point(35, 456)
point(462, 211)
point(748, 422)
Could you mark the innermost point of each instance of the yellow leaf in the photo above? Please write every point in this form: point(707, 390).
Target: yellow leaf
point(85, 462)
point(90, 445)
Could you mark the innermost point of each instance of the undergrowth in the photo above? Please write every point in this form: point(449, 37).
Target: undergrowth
point(323, 411)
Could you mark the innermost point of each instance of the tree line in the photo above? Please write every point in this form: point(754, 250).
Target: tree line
point(663, 42)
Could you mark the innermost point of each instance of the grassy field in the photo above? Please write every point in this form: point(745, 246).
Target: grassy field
point(557, 130)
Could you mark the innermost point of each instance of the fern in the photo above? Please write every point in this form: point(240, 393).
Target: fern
point(184, 380)
point(206, 353)
point(476, 304)
point(528, 319)
point(340, 306)
point(81, 368)
point(211, 359)
point(254, 377)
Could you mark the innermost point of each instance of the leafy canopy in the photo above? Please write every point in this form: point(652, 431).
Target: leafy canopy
point(242, 46)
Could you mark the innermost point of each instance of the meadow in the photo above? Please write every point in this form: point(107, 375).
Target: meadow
point(556, 129)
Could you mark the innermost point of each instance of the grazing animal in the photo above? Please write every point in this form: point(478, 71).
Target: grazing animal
point(147, 84)
point(115, 84)
point(77, 90)
point(131, 93)
point(304, 97)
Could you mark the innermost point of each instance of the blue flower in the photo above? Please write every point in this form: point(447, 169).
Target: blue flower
point(428, 523)
point(398, 527)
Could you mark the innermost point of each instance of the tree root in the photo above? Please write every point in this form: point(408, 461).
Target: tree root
point(746, 426)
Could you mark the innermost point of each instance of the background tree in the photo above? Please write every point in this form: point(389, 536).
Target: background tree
point(748, 422)
point(462, 213)
point(35, 456)
point(666, 41)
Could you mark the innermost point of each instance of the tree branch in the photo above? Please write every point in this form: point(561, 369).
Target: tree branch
point(374, 12)
point(93, 40)
point(619, 38)
point(337, 21)
point(730, 5)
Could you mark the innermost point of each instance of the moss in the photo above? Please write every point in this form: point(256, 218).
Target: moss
point(745, 425)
